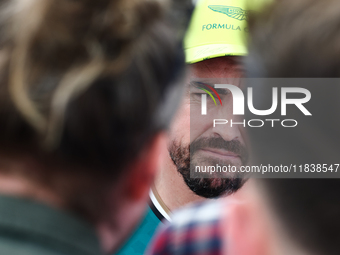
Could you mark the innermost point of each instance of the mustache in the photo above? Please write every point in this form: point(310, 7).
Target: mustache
point(234, 146)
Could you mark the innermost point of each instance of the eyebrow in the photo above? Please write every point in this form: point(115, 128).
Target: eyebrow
point(199, 84)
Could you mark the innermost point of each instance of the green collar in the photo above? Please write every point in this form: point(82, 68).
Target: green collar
point(25, 220)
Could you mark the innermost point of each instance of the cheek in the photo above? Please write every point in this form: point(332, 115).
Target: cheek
point(180, 126)
point(189, 124)
point(201, 125)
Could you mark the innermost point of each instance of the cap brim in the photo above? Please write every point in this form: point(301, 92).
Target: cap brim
point(203, 52)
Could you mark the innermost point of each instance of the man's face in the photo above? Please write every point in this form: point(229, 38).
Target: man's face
point(194, 142)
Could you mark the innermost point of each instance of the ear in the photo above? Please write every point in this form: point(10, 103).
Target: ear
point(245, 230)
point(144, 168)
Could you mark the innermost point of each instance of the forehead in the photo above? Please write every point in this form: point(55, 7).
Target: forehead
point(222, 67)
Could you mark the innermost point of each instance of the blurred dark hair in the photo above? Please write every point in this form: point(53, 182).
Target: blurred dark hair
point(296, 39)
point(84, 86)
point(301, 39)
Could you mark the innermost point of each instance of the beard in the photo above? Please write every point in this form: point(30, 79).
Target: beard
point(186, 160)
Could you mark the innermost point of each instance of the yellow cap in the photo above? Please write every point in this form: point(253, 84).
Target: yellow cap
point(218, 28)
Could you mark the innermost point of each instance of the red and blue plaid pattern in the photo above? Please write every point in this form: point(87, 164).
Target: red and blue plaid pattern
point(194, 230)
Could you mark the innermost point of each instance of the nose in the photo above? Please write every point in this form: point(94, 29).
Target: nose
point(233, 125)
point(229, 129)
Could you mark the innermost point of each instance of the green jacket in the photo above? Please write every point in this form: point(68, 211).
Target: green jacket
point(31, 228)
point(139, 241)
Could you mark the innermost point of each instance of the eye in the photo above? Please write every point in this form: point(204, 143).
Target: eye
point(196, 95)
point(199, 96)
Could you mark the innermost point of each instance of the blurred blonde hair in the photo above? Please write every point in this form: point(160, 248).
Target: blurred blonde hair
point(68, 41)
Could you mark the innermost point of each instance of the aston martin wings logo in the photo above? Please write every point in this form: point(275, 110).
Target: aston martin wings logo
point(231, 11)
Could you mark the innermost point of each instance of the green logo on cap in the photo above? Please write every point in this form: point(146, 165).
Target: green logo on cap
point(231, 11)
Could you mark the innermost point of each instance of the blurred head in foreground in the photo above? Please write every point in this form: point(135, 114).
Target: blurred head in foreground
point(294, 216)
point(85, 95)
